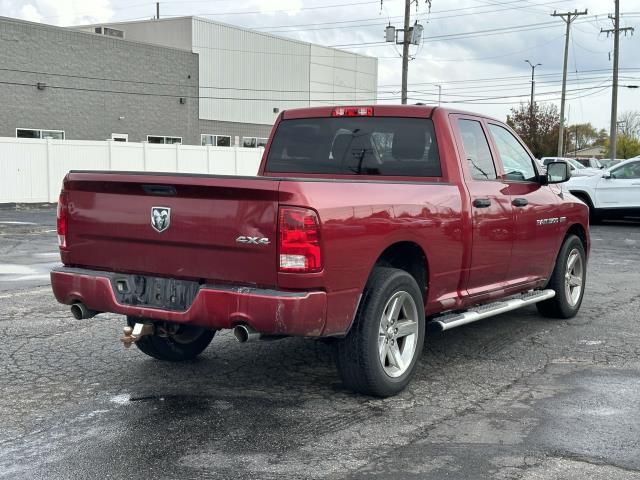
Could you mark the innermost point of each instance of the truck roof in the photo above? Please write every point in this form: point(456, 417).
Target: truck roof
point(418, 111)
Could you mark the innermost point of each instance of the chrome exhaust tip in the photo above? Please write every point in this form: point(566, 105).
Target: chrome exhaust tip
point(245, 333)
point(80, 311)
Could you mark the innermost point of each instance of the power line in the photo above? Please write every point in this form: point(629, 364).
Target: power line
point(262, 12)
point(512, 77)
point(197, 97)
point(499, 85)
point(461, 35)
point(461, 102)
point(141, 82)
point(332, 26)
point(304, 100)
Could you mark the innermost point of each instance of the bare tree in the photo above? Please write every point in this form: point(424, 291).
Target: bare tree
point(629, 124)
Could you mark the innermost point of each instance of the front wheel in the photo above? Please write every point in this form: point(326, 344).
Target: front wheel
point(568, 280)
point(173, 342)
point(380, 353)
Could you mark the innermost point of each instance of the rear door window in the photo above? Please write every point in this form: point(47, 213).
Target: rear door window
point(476, 150)
point(388, 146)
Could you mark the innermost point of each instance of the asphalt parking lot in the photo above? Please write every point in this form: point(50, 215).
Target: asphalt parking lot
point(513, 397)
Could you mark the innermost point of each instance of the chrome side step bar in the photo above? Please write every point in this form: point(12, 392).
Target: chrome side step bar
point(452, 320)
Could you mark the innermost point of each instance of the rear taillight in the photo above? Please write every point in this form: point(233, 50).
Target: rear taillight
point(63, 220)
point(299, 240)
point(352, 112)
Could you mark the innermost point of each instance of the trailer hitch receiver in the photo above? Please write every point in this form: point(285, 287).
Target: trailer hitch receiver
point(135, 333)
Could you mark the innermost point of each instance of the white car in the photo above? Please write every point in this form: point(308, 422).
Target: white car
point(613, 192)
point(577, 169)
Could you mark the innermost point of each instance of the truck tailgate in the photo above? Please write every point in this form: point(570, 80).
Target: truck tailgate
point(111, 227)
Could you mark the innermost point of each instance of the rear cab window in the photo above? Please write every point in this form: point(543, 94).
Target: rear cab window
point(372, 146)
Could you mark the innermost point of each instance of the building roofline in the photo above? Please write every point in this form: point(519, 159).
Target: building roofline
point(229, 25)
point(74, 29)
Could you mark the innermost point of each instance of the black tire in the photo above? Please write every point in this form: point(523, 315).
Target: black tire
point(358, 357)
point(594, 216)
point(560, 306)
point(188, 343)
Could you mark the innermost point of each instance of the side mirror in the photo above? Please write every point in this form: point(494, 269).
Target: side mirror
point(558, 172)
point(606, 175)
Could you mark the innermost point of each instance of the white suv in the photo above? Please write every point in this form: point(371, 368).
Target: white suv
point(577, 169)
point(613, 192)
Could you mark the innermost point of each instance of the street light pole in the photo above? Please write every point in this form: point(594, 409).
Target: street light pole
point(532, 127)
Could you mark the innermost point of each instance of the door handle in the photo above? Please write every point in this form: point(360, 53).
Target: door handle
point(482, 203)
point(520, 202)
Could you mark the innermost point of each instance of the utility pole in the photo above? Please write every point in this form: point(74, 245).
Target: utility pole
point(613, 132)
point(411, 35)
point(405, 49)
point(570, 17)
point(532, 123)
point(157, 10)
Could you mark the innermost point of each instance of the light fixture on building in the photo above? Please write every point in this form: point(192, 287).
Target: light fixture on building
point(276, 110)
point(41, 85)
point(183, 100)
point(121, 117)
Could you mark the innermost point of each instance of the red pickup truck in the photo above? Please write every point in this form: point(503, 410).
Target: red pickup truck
point(367, 225)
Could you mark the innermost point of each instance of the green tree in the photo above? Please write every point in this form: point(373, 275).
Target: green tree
point(581, 135)
point(540, 131)
point(626, 146)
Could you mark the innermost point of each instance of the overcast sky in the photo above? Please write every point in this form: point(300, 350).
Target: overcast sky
point(474, 49)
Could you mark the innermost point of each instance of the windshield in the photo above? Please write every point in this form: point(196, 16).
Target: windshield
point(356, 146)
point(574, 163)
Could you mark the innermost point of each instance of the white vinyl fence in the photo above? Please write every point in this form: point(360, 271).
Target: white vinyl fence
point(31, 171)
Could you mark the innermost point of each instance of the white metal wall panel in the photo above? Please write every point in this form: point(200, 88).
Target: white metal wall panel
point(345, 61)
point(341, 77)
point(244, 75)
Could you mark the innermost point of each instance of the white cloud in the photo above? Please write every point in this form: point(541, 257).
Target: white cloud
point(291, 6)
point(58, 12)
point(447, 61)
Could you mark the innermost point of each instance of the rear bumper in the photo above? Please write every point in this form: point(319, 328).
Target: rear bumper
point(270, 312)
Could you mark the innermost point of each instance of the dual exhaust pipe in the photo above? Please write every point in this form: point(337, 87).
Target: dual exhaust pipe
point(242, 333)
point(80, 311)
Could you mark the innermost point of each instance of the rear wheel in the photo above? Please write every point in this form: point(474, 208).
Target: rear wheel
point(568, 280)
point(379, 355)
point(173, 342)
